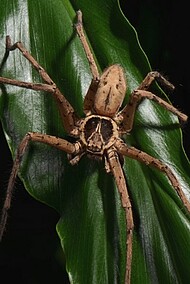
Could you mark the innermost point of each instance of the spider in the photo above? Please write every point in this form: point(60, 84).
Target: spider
point(99, 134)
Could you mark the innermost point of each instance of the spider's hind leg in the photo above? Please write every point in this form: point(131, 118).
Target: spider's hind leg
point(126, 115)
point(89, 98)
point(89, 55)
point(155, 76)
point(67, 112)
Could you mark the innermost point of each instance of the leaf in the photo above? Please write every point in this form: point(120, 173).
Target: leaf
point(92, 224)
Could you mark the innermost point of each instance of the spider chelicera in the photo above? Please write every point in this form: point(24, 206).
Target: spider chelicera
point(99, 134)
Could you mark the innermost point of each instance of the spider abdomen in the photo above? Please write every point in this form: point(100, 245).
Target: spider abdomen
point(111, 91)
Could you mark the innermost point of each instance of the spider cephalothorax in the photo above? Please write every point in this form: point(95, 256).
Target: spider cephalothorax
point(98, 134)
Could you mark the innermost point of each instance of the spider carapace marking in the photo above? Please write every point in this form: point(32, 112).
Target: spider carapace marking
point(99, 134)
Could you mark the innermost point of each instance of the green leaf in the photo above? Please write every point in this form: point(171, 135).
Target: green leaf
point(92, 223)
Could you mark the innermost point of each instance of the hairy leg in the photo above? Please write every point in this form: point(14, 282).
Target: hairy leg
point(36, 137)
point(89, 98)
point(145, 158)
point(67, 112)
point(116, 169)
point(126, 115)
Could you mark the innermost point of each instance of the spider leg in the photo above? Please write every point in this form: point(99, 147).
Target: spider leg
point(66, 110)
point(129, 111)
point(36, 137)
point(126, 115)
point(89, 55)
point(148, 95)
point(151, 77)
point(116, 169)
point(28, 85)
point(89, 98)
point(145, 158)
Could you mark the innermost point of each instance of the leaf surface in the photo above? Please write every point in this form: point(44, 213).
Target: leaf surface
point(92, 225)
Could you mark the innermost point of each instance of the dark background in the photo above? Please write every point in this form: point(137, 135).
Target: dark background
point(30, 248)
point(163, 29)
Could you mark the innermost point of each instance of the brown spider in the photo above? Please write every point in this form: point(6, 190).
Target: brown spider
point(99, 134)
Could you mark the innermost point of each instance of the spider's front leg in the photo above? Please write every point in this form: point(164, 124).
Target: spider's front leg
point(53, 141)
point(145, 158)
point(127, 114)
point(116, 169)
